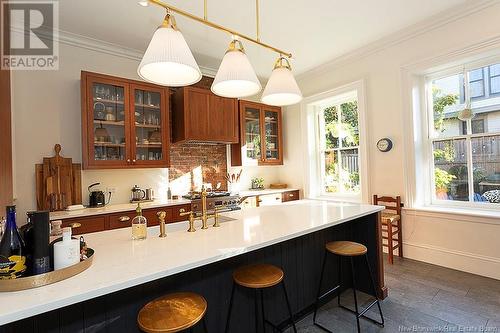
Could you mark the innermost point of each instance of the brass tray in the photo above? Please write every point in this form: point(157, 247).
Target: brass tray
point(40, 280)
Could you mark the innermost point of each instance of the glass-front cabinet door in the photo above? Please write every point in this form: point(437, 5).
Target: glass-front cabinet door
point(272, 129)
point(261, 138)
point(149, 128)
point(252, 136)
point(107, 123)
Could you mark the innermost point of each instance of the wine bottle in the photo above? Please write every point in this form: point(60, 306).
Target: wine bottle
point(12, 249)
point(36, 238)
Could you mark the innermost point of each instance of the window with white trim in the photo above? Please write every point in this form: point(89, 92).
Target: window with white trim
point(465, 154)
point(338, 133)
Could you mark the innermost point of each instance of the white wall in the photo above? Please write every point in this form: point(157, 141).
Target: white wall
point(436, 239)
point(46, 110)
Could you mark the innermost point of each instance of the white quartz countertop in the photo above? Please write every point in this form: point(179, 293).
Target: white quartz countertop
point(253, 193)
point(117, 208)
point(120, 263)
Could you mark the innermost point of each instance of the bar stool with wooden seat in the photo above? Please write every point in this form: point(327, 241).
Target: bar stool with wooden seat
point(346, 249)
point(392, 232)
point(173, 313)
point(259, 277)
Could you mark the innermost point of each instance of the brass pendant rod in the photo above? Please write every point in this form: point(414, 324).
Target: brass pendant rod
point(205, 10)
point(257, 19)
point(219, 27)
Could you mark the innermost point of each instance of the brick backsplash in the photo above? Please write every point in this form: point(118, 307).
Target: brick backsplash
point(192, 164)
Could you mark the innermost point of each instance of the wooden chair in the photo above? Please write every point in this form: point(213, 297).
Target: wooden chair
point(391, 224)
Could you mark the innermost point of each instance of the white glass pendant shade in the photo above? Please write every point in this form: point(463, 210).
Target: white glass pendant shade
point(281, 89)
point(168, 61)
point(235, 77)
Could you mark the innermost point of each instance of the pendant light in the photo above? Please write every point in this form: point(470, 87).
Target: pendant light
point(281, 89)
point(235, 77)
point(168, 61)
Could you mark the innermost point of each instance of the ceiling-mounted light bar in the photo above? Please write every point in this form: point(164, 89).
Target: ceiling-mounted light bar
point(169, 61)
point(219, 27)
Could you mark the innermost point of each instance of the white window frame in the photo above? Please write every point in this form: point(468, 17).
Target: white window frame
point(310, 108)
point(430, 196)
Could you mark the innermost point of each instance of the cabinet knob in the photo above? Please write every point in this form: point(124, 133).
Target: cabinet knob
point(133, 161)
point(75, 225)
point(290, 195)
point(128, 161)
point(182, 210)
point(124, 218)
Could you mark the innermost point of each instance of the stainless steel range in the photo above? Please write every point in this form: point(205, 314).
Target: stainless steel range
point(216, 199)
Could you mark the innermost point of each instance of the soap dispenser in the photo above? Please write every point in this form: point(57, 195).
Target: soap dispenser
point(67, 251)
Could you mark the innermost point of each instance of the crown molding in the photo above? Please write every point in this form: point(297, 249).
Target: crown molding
point(97, 45)
point(402, 35)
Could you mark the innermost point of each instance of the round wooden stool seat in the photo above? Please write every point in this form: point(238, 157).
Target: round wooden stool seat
point(172, 313)
point(346, 248)
point(258, 276)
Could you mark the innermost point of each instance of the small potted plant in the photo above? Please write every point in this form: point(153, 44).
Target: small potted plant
point(442, 180)
point(257, 183)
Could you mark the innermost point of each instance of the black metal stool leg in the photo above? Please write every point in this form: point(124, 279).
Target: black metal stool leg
point(256, 310)
point(230, 308)
point(262, 310)
point(339, 277)
point(355, 297)
point(205, 325)
point(374, 292)
point(319, 287)
point(289, 307)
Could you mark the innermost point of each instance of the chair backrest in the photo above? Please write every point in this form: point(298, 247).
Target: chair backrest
point(392, 205)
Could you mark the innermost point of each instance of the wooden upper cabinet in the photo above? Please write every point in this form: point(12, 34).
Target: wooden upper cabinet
point(124, 123)
point(261, 138)
point(199, 115)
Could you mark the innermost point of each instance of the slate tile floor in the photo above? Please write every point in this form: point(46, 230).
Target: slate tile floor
point(422, 298)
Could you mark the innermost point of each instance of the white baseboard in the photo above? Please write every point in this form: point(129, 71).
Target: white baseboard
point(462, 261)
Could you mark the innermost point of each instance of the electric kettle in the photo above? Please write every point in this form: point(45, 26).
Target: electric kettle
point(97, 197)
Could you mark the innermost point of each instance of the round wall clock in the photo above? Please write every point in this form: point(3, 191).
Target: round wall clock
point(384, 145)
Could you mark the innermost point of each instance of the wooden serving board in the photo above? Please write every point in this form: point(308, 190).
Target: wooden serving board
point(58, 182)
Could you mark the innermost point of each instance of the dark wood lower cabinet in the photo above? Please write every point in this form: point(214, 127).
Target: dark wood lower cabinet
point(300, 259)
point(96, 223)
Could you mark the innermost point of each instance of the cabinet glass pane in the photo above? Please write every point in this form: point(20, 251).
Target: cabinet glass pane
point(272, 143)
point(252, 133)
point(109, 122)
point(148, 135)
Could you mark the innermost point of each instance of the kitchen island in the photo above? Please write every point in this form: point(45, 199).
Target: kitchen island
point(127, 274)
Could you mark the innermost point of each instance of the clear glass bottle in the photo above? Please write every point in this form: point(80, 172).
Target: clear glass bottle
point(139, 225)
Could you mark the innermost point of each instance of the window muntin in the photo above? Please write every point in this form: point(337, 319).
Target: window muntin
point(465, 168)
point(339, 153)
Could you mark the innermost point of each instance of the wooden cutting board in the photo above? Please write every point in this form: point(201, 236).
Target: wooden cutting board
point(58, 182)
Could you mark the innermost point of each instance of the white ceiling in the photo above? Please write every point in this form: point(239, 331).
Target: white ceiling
point(313, 31)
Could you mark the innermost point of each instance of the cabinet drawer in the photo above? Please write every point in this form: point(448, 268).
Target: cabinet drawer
point(269, 199)
point(120, 220)
point(150, 215)
point(85, 225)
point(290, 196)
point(177, 210)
